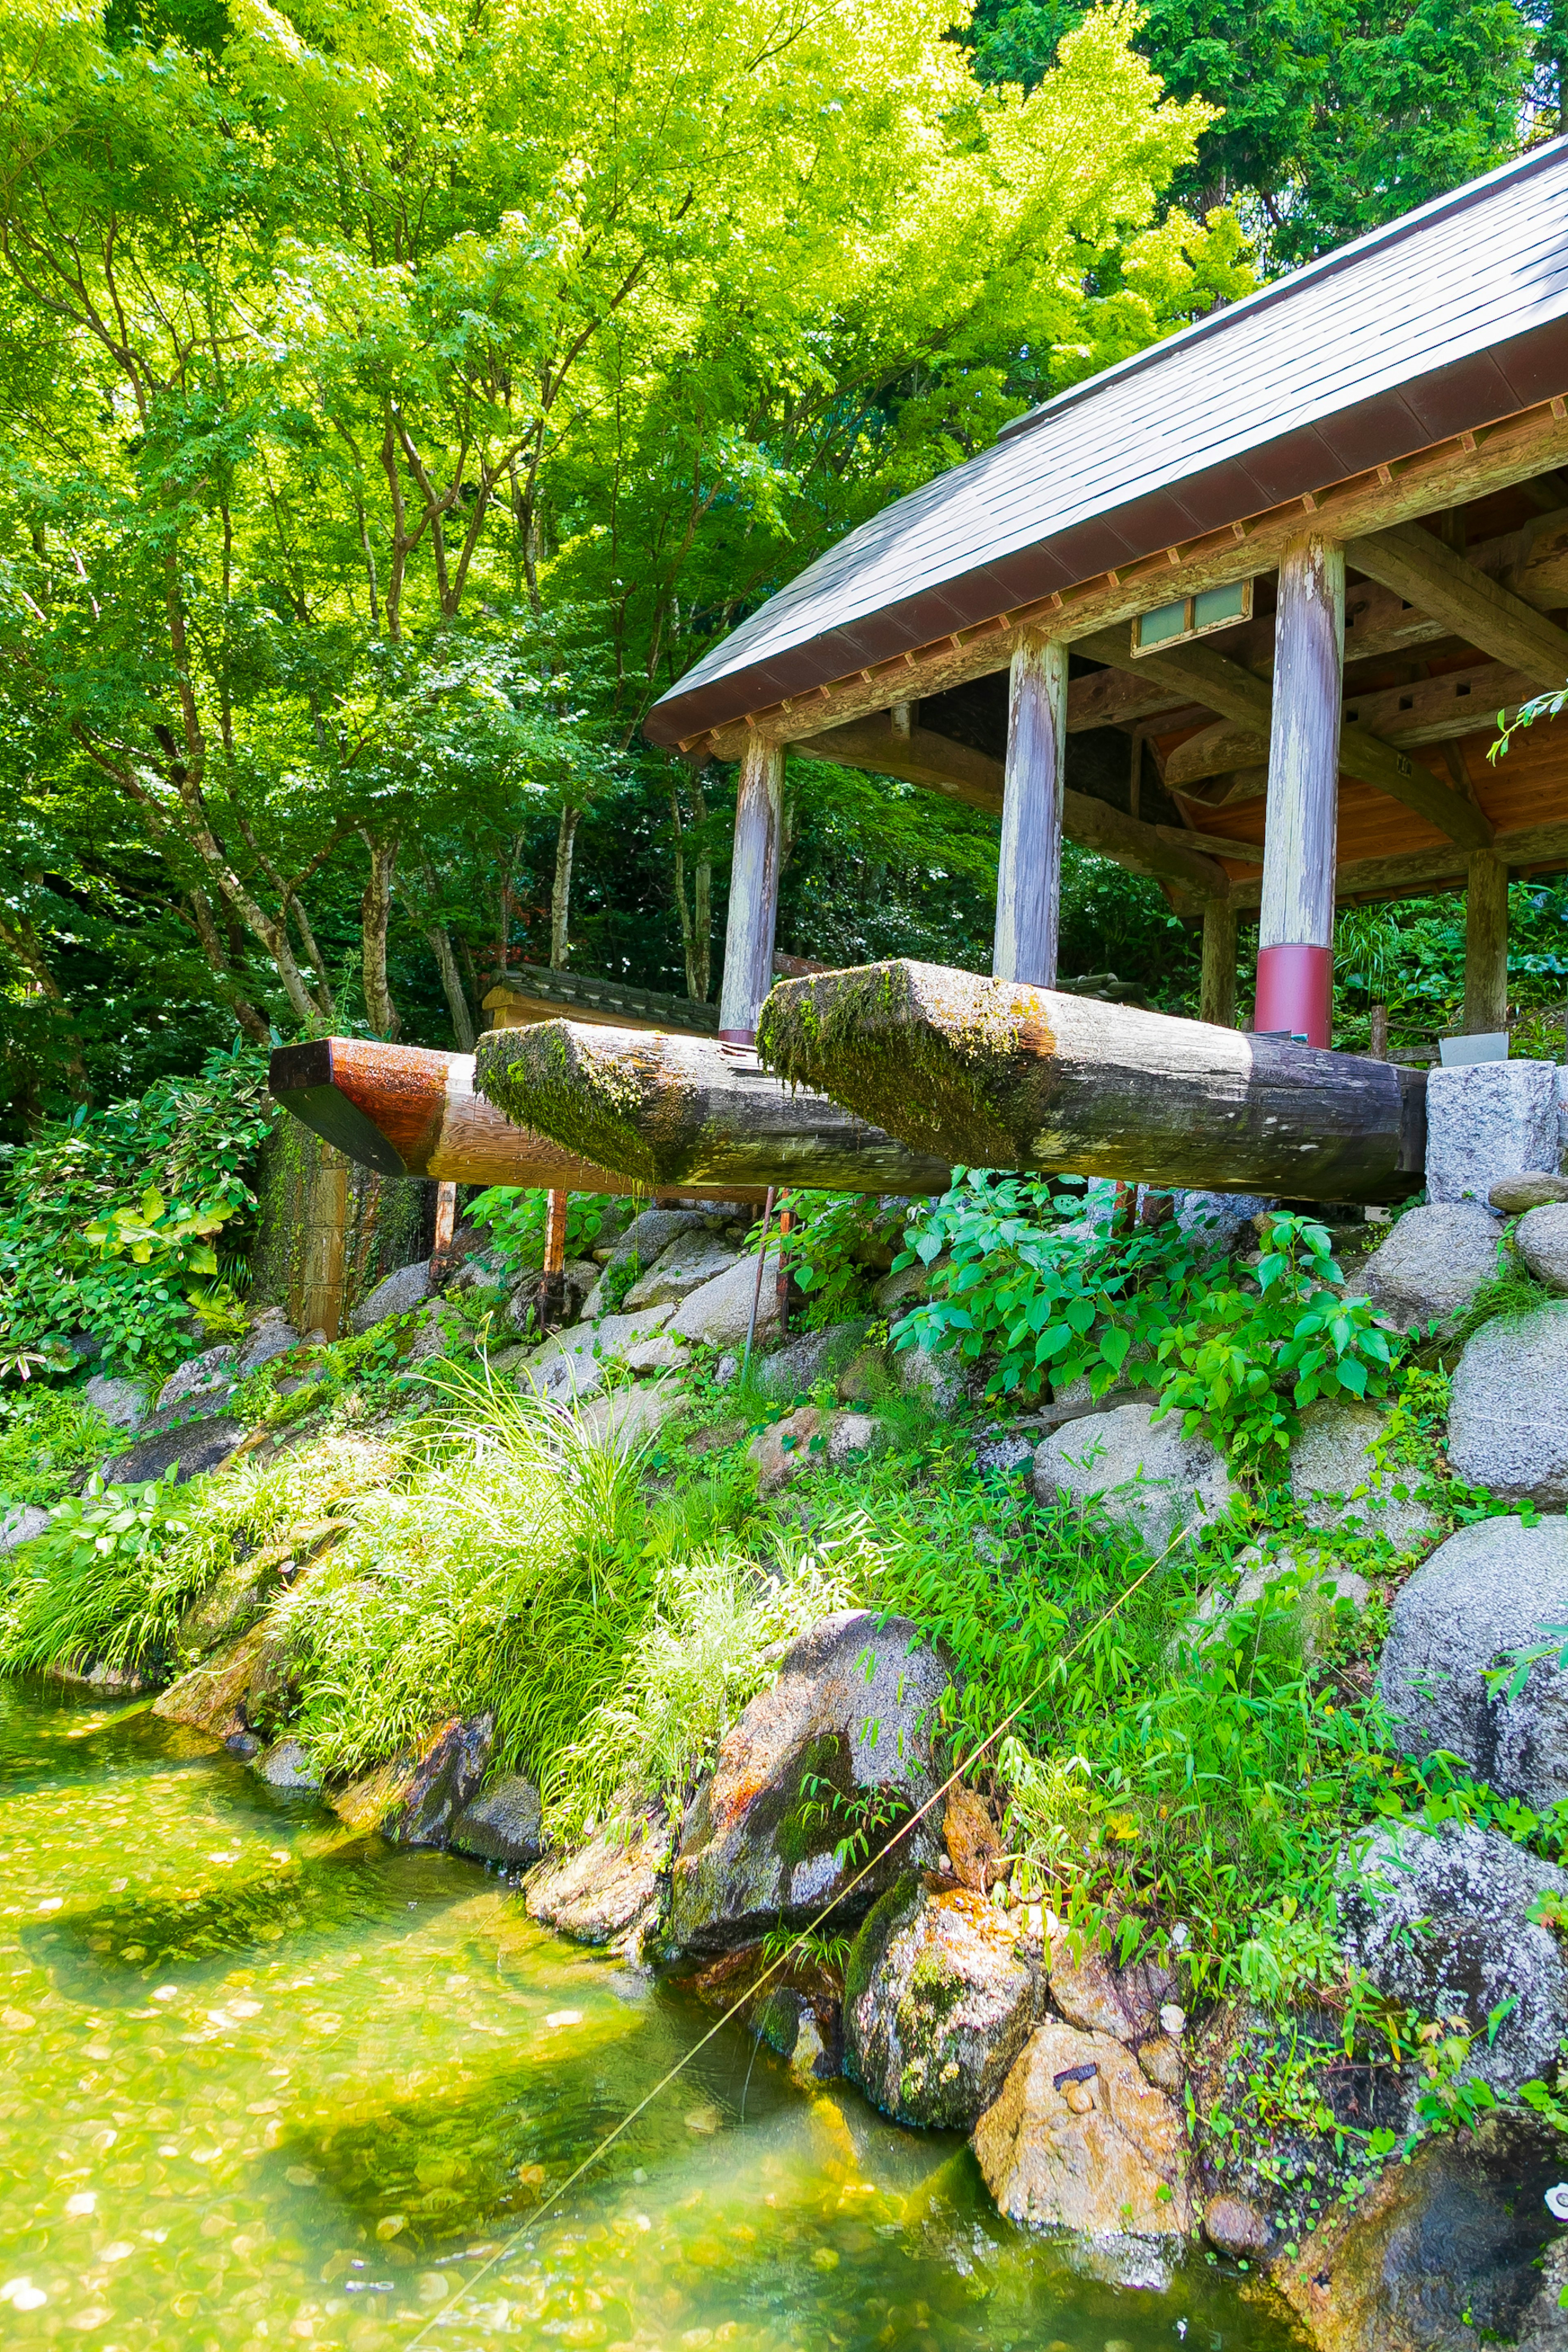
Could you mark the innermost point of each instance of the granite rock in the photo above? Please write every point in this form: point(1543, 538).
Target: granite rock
point(607, 1889)
point(938, 2002)
point(1150, 1477)
point(1508, 1408)
point(717, 1315)
point(502, 1824)
point(122, 1402)
point(1335, 1478)
point(1432, 1265)
point(1080, 2139)
point(1542, 1240)
point(20, 1524)
point(684, 1266)
point(1514, 1196)
point(212, 1368)
point(1487, 1121)
point(400, 1294)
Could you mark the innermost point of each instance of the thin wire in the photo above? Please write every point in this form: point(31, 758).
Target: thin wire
point(515, 2242)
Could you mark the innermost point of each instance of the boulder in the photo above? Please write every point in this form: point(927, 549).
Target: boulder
point(1235, 2226)
point(659, 1354)
point(1218, 1224)
point(440, 1331)
point(815, 1356)
point(1001, 1455)
point(1438, 1921)
point(212, 1368)
point(1150, 1477)
point(20, 1524)
point(272, 1335)
point(571, 1362)
point(938, 2002)
point(650, 1233)
point(1335, 1477)
point(718, 1314)
point(1080, 2139)
point(286, 1765)
point(936, 1381)
point(211, 1698)
point(400, 1294)
point(973, 1841)
point(1508, 1410)
point(1514, 1196)
point(806, 1437)
point(1542, 1239)
point(896, 1293)
point(1486, 1121)
point(1311, 1587)
point(501, 1824)
point(123, 1403)
point(1099, 1998)
point(840, 1749)
point(632, 1417)
point(228, 1606)
point(684, 1266)
point(413, 1800)
point(607, 1889)
point(1491, 1588)
point(1432, 1265)
point(1440, 2253)
point(797, 2012)
point(189, 1448)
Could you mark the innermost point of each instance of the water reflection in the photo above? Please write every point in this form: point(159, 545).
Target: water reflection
point(267, 2083)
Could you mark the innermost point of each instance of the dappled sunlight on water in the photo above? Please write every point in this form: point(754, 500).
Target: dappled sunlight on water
point(267, 2083)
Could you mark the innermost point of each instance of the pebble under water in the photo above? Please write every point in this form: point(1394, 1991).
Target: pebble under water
point(265, 2083)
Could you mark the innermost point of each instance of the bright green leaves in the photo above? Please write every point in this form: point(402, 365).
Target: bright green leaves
point(174, 1234)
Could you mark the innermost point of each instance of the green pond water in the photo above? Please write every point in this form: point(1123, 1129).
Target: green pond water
point(266, 2084)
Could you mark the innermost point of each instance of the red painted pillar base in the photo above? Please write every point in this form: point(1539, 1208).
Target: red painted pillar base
point(1296, 992)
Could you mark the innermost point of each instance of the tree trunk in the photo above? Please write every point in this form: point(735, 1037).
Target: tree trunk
point(375, 910)
point(992, 1075)
point(21, 937)
point(671, 1112)
point(561, 891)
point(256, 1025)
point(456, 998)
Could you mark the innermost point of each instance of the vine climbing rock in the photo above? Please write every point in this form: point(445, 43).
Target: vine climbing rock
point(938, 2002)
point(1490, 1589)
point(1440, 1920)
point(1080, 2139)
point(810, 1784)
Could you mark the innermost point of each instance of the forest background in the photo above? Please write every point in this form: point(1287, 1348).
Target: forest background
point(395, 401)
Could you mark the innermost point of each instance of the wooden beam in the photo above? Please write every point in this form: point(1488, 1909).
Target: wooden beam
point(995, 1075)
point(1447, 474)
point(1419, 567)
point(1029, 857)
point(939, 764)
point(680, 1112)
point(1531, 849)
point(405, 1112)
point(753, 891)
point(1486, 944)
point(1296, 919)
point(1217, 998)
point(1218, 844)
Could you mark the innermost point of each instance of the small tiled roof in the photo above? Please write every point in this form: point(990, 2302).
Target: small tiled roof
point(1443, 322)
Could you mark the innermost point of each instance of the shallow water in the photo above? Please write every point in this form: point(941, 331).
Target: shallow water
point(266, 2083)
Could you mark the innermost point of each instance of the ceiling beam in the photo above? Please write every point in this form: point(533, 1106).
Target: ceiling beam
point(1431, 576)
point(1467, 466)
point(939, 764)
point(1245, 703)
point(1530, 849)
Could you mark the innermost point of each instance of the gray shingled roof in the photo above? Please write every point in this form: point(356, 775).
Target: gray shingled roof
point(1446, 320)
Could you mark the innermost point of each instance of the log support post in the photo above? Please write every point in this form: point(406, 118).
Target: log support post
point(1217, 1002)
point(1029, 869)
point(1296, 924)
point(1486, 944)
point(552, 1286)
point(754, 893)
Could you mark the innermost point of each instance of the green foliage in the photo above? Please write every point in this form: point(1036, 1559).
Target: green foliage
point(1012, 1277)
point(838, 1246)
point(105, 1220)
point(45, 1435)
point(1409, 956)
point(95, 1586)
point(516, 1217)
point(1247, 1361)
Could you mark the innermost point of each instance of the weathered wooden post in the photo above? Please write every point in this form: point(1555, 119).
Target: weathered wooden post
point(1295, 922)
point(1029, 867)
point(1216, 998)
point(1486, 944)
point(754, 892)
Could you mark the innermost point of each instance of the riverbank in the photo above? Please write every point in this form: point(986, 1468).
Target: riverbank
point(595, 1604)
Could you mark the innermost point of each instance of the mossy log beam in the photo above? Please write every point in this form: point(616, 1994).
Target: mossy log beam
point(673, 1112)
point(404, 1110)
point(992, 1074)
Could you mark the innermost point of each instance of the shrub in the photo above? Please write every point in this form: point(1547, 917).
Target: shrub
point(516, 1217)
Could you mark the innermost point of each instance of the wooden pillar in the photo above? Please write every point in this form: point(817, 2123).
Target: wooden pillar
point(1216, 1002)
point(1486, 944)
point(754, 892)
point(1295, 921)
point(1029, 869)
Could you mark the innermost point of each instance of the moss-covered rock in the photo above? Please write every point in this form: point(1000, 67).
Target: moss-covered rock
point(938, 2002)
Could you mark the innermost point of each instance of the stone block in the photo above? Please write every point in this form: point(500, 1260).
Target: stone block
point(1488, 1120)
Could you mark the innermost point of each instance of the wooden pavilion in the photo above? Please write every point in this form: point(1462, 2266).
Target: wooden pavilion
point(1239, 612)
